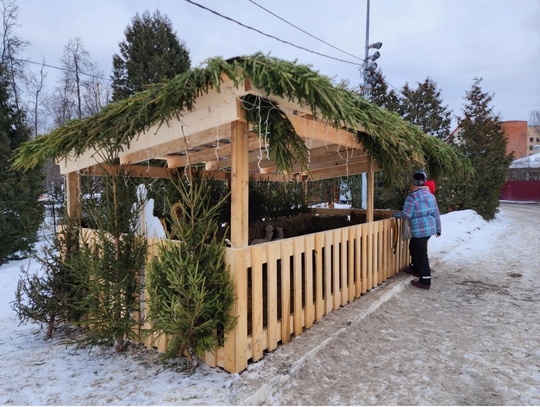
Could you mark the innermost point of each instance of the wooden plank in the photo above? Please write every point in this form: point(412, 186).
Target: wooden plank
point(272, 296)
point(371, 253)
point(286, 251)
point(236, 341)
point(298, 245)
point(365, 255)
point(319, 300)
point(375, 253)
point(309, 313)
point(335, 268)
point(343, 235)
point(210, 358)
point(358, 261)
point(328, 295)
point(387, 249)
point(382, 252)
point(351, 261)
point(256, 302)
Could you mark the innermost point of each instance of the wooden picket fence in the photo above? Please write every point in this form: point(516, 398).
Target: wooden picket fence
point(283, 287)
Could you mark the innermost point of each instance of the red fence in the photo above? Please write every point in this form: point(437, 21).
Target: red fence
point(521, 191)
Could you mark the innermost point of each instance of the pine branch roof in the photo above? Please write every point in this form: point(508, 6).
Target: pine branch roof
point(283, 101)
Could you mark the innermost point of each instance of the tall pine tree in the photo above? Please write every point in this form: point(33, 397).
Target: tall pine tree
point(20, 212)
point(423, 106)
point(381, 95)
point(151, 53)
point(481, 138)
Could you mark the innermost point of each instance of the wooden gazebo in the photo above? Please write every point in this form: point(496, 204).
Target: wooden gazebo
point(213, 116)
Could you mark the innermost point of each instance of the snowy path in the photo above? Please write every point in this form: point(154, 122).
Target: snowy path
point(471, 340)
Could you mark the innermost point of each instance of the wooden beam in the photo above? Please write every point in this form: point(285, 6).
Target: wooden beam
point(181, 144)
point(209, 154)
point(291, 106)
point(338, 171)
point(211, 111)
point(311, 129)
point(141, 171)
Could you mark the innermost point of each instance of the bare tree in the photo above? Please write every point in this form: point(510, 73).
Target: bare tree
point(36, 85)
point(80, 91)
point(11, 48)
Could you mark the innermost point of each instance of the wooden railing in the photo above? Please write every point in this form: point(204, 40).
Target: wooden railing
point(285, 286)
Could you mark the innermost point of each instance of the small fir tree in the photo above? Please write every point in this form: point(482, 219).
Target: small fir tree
point(109, 264)
point(189, 285)
point(49, 297)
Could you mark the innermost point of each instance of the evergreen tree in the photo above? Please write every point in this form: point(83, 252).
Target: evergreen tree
point(20, 212)
point(423, 106)
point(49, 297)
point(189, 285)
point(151, 53)
point(481, 138)
point(381, 95)
point(110, 262)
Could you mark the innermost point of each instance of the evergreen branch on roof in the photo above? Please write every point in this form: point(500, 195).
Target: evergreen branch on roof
point(396, 145)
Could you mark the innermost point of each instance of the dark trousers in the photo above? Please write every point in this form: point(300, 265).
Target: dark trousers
point(419, 256)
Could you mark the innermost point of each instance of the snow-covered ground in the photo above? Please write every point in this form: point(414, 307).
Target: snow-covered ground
point(38, 372)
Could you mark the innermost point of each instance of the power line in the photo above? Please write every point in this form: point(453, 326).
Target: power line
point(305, 32)
point(62, 69)
point(269, 35)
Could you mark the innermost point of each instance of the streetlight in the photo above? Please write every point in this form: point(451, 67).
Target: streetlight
point(369, 60)
point(369, 78)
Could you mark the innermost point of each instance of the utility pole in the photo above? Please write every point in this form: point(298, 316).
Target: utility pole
point(368, 73)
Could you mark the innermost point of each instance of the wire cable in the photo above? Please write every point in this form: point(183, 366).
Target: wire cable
point(271, 36)
point(62, 69)
point(305, 32)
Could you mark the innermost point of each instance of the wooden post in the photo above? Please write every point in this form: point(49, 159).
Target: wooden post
point(371, 190)
point(239, 185)
point(73, 194)
point(236, 341)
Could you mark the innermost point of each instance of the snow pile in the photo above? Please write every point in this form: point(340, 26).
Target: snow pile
point(531, 161)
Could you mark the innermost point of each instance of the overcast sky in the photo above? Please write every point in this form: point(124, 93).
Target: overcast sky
point(450, 41)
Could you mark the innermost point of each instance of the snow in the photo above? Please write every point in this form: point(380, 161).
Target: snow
point(531, 161)
point(39, 372)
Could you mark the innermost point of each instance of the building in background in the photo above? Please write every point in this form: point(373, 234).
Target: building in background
point(517, 138)
point(523, 184)
point(522, 139)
